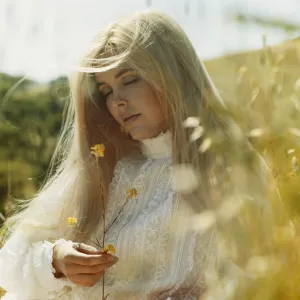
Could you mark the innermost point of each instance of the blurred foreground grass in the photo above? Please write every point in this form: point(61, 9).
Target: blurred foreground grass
point(263, 94)
point(262, 91)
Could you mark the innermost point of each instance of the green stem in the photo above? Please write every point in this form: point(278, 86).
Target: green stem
point(115, 217)
point(103, 239)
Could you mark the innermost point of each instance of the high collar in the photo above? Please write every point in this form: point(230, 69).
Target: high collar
point(158, 147)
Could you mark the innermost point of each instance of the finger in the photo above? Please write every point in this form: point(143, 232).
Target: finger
point(86, 279)
point(87, 249)
point(80, 269)
point(88, 259)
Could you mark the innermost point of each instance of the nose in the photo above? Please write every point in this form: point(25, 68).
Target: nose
point(119, 100)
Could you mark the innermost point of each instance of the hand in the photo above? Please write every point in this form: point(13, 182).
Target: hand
point(80, 263)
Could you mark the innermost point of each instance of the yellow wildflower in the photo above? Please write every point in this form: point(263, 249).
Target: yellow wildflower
point(110, 249)
point(71, 221)
point(104, 250)
point(131, 193)
point(98, 150)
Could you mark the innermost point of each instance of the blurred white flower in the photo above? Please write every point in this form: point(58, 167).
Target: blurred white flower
point(229, 288)
point(256, 132)
point(225, 252)
point(197, 133)
point(255, 93)
point(295, 164)
point(243, 69)
point(294, 131)
point(224, 290)
point(241, 73)
point(236, 132)
point(286, 233)
point(204, 221)
point(191, 122)
point(290, 151)
point(185, 178)
point(279, 88)
point(211, 276)
point(297, 85)
point(296, 101)
point(262, 265)
point(275, 70)
point(205, 145)
point(229, 209)
point(2, 217)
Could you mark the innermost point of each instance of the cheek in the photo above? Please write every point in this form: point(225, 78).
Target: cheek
point(153, 106)
point(112, 109)
point(109, 106)
point(154, 109)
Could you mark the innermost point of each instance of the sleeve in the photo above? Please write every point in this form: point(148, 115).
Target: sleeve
point(26, 269)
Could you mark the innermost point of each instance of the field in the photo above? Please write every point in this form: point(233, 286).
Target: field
point(259, 87)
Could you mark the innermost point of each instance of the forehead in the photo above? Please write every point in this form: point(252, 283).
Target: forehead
point(112, 73)
point(103, 75)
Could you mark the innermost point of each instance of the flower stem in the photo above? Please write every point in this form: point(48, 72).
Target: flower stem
point(115, 218)
point(103, 238)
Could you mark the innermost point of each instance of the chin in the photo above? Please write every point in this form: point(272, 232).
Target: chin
point(140, 135)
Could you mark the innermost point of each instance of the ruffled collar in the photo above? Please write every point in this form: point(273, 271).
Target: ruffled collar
point(158, 147)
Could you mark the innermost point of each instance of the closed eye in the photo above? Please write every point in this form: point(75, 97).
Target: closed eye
point(105, 91)
point(130, 80)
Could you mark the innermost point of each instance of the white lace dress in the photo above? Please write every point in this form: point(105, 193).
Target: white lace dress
point(160, 256)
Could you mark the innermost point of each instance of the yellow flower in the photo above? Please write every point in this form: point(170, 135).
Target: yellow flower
point(98, 150)
point(131, 193)
point(104, 250)
point(71, 221)
point(110, 249)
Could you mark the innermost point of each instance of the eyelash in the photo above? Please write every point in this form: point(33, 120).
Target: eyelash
point(127, 83)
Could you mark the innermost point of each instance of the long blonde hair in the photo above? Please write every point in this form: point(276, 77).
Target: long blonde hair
point(157, 48)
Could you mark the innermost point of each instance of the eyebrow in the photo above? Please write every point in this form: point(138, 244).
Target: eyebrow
point(119, 74)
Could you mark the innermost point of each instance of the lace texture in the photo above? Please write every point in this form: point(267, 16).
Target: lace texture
point(160, 256)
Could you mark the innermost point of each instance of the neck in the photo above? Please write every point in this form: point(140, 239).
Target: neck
point(157, 147)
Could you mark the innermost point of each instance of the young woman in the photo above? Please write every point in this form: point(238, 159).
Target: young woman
point(138, 84)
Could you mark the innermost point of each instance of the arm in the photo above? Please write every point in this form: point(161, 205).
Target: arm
point(26, 268)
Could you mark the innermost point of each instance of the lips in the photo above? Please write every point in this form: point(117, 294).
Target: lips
point(128, 119)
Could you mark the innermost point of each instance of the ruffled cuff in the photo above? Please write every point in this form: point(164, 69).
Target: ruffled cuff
point(43, 253)
point(50, 254)
point(26, 269)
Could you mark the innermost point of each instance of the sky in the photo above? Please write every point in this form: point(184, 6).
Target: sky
point(45, 38)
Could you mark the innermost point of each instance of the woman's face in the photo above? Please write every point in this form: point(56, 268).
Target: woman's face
point(132, 102)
